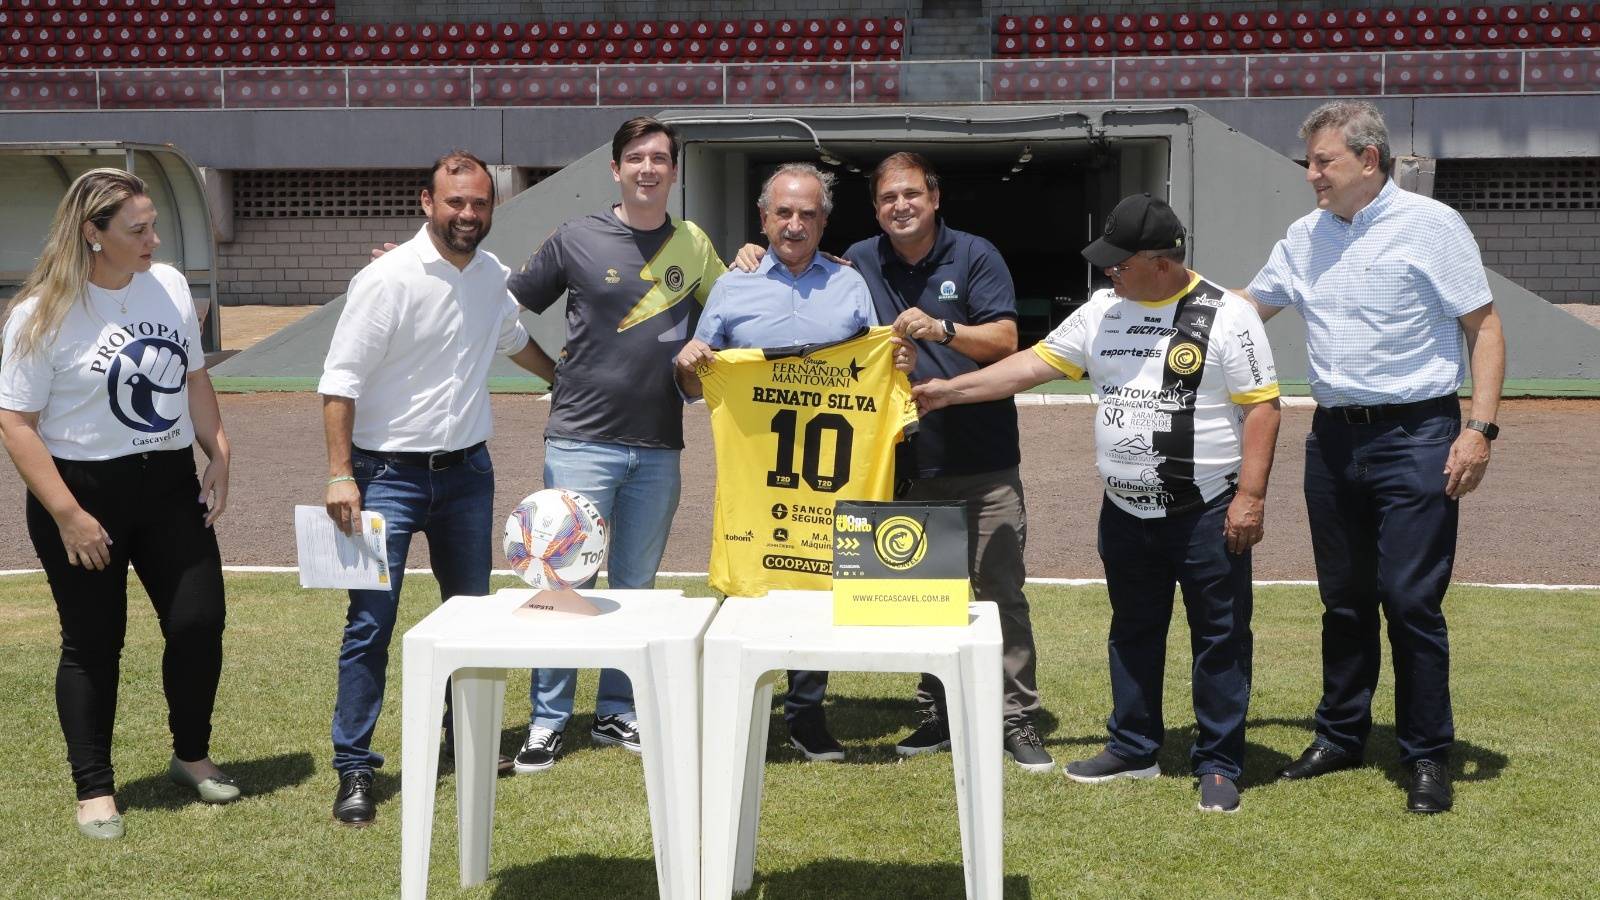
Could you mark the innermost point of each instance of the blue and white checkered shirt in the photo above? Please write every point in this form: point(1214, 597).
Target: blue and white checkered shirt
point(1381, 295)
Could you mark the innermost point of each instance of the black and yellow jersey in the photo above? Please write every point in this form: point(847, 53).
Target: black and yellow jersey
point(633, 300)
point(797, 429)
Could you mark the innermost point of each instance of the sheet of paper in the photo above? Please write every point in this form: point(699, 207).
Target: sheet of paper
point(329, 558)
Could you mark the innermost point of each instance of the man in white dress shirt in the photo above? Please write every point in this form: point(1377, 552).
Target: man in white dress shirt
point(405, 406)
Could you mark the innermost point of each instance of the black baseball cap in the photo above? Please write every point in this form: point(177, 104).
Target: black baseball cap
point(1139, 222)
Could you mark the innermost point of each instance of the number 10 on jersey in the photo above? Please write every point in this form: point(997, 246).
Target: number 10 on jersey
point(824, 452)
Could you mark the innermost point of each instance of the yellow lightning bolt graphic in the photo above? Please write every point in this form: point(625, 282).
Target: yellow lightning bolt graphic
point(660, 298)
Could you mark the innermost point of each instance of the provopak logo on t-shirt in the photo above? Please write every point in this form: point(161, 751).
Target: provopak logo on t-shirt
point(145, 364)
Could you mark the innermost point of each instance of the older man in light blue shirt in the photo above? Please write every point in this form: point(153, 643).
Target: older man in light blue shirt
point(794, 296)
point(1389, 283)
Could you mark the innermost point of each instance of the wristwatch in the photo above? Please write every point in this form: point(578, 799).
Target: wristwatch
point(1490, 430)
point(949, 331)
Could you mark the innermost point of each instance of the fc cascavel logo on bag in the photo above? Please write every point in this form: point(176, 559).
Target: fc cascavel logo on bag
point(145, 384)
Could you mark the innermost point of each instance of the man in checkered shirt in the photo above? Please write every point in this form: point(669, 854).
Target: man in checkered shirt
point(1389, 283)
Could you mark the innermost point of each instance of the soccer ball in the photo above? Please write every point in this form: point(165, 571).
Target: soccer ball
point(555, 539)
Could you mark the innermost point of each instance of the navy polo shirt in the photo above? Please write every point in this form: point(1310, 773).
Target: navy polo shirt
point(963, 279)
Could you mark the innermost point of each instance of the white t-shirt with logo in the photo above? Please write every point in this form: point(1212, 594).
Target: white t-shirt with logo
point(1171, 377)
point(110, 384)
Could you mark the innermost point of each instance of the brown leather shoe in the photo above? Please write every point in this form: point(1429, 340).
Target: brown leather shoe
point(1318, 760)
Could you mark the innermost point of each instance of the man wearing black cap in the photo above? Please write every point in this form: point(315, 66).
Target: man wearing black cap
point(1184, 440)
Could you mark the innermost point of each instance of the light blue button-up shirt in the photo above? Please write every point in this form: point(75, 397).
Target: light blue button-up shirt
point(771, 307)
point(1381, 295)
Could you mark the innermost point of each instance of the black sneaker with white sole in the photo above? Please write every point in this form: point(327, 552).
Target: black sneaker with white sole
point(1022, 744)
point(809, 735)
point(931, 736)
point(538, 751)
point(616, 730)
point(1218, 793)
point(1108, 766)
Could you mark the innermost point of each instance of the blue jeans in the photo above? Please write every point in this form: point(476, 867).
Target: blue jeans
point(454, 507)
point(1384, 537)
point(636, 489)
point(1144, 559)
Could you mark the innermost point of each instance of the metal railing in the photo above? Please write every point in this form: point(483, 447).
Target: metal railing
point(1109, 78)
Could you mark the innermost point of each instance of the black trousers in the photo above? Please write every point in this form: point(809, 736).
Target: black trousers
point(148, 504)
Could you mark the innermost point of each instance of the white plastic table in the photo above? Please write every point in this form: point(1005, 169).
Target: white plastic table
point(753, 639)
point(652, 636)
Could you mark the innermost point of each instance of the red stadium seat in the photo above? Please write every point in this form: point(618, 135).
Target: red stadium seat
point(786, 28)
point(1124, 23)
point(752, 48)
point(1430, 36)
point(728, 28)
point(1242, 21)
point(1096, 24)
point(1513, 15)
point(1099, 42)
point(701, 29)
point(1158, 42)
point(1272, 20)
point(1008, 45)
point(1188, 42)
point(562, 31)
point(1213, 22)
point(1461, 36)
point(1523, 34)
point(1009, 25)
point(842, 27)
point(647, 31)
point(1039, 44)
point(1152, 22)
point(675, 29)
point(758, 28)
point(1129, 42)
point(1183, 21)
point(808, 47)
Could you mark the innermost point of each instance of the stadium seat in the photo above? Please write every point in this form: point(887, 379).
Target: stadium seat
point(1188, 42)
point(1096, 24)
point(1009, 25)
point(1184, 22)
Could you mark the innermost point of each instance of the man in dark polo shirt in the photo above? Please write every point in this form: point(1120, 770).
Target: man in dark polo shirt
point(952, 291)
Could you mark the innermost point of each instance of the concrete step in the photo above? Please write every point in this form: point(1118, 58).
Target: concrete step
point(949, 38)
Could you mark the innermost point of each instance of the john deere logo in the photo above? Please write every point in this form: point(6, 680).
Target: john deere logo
point(1185, 359)
point(900, 542)
point(674, 278)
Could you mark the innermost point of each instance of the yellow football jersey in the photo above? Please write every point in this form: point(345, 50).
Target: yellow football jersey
point(795, 430)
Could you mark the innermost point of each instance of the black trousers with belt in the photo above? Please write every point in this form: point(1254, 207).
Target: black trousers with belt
point(148, 503)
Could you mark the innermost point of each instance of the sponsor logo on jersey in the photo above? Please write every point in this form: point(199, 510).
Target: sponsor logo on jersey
point(780, 563)
point(1134, 449)
point(748, 537)
point(816, 372)
point(1206, 300)
point(780, 534)
point(1185, 358)
point(779, 511)
point(674, 278)
point(613, 276)
point(1248, 344)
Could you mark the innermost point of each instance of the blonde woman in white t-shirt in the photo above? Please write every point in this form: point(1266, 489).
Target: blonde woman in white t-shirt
point(103, 390)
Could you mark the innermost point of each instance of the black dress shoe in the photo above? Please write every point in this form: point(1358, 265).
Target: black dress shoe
point(1318, 760)
point(1430, 788)
point(353, 805)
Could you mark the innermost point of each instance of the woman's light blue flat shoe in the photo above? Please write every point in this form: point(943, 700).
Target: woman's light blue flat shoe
point(217, 789)
point(102, 829)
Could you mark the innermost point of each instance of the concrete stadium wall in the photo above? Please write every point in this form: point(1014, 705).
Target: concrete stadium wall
point(296, 262)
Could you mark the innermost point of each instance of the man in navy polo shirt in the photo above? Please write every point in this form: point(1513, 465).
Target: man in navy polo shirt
point(952, 291)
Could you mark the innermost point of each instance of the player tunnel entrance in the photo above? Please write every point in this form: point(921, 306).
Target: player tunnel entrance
point(1039, 199)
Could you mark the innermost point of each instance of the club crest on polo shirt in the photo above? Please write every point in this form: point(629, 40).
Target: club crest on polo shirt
point(947, 292)
point(145, 364)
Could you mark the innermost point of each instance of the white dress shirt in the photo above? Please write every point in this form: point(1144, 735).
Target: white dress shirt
point(414, 344)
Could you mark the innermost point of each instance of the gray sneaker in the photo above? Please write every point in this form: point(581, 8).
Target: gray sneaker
point(1218, 794)
point(1022, 744)
point(1109, 767)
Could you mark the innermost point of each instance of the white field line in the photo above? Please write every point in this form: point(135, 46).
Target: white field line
point(1070, 582)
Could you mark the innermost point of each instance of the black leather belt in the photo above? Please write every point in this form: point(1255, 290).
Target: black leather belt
point(1387, 412)
point(435, 461)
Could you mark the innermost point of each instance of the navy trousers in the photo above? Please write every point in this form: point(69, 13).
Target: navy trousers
point(1384, 536)
point(1145, 559)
